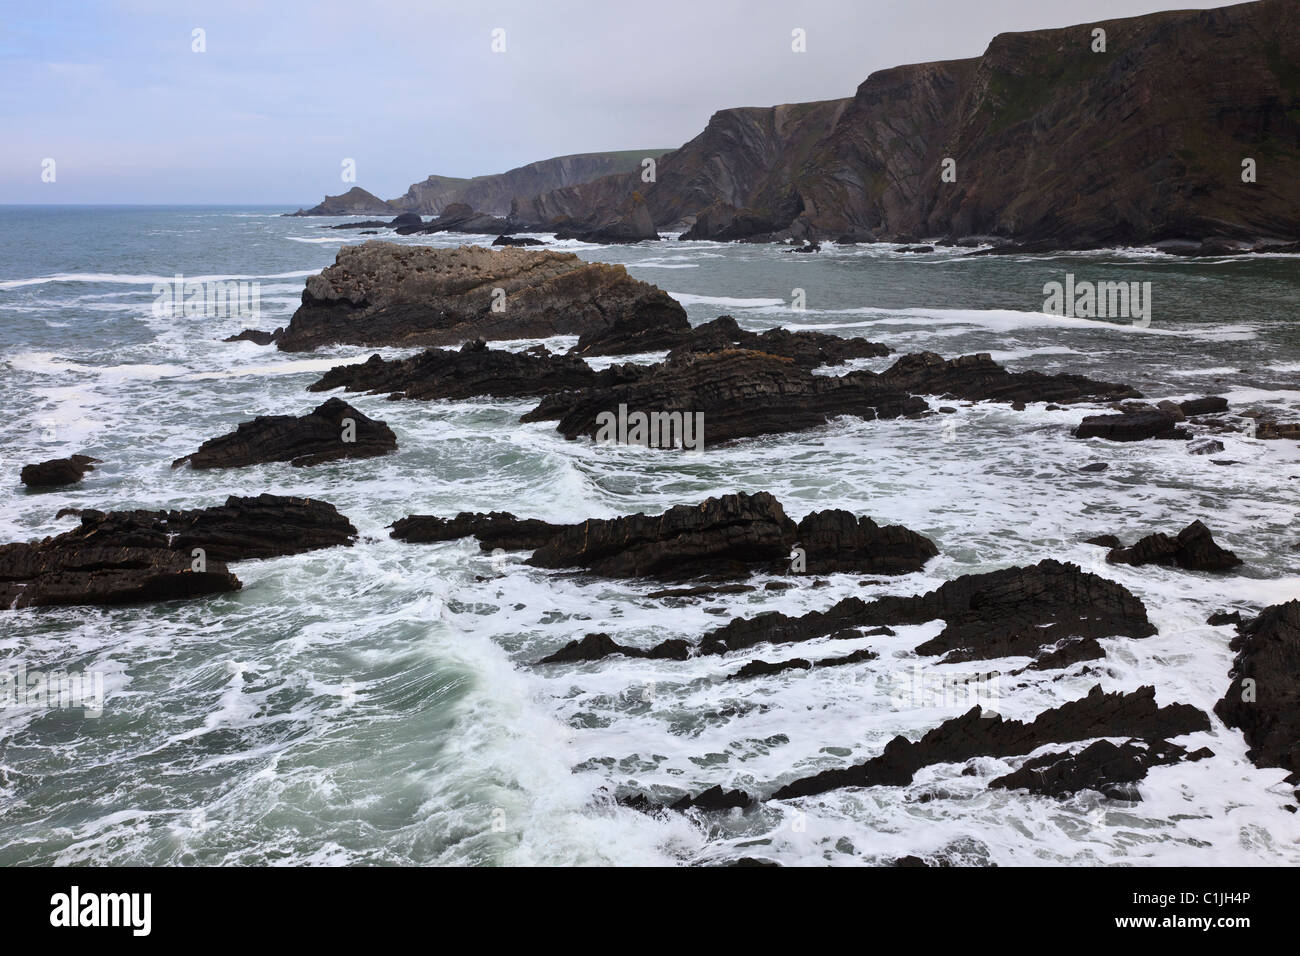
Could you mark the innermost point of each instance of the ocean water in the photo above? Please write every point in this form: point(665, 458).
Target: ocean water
point(380, 704)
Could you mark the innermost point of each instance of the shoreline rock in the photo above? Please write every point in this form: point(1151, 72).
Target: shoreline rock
point(1193, 549)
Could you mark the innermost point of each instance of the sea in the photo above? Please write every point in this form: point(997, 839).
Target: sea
point(381, 704)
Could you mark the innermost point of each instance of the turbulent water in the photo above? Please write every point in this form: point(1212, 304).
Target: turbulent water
point(380, 703)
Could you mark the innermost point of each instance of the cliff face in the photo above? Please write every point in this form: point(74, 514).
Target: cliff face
point(493, 194)
point(1052, 143)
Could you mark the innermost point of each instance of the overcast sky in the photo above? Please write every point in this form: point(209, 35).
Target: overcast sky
point(286, 90)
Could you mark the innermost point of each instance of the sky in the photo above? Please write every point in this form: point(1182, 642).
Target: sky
point(284, 92)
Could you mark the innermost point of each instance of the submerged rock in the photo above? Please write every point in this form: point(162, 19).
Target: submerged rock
point(1263, 699)
point(1111, 770)
point(333, 431)
point(58, 471)
point(385, 294)
point(977, 734)
point(1194, 549)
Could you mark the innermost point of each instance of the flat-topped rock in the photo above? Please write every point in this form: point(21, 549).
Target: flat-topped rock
point(385, 294)
point(58, 471)
point(331, 432)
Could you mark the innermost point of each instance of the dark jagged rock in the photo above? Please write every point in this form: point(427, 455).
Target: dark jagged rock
point(704, 590)
point(1071, 651)
point(841, 541)
point(498, 529)
point(474, 369)
point(1133, 426)
point(766, 668)
point(1263, 700)
point(386, 294)
point(456, 217)
point(256, 336)
point(1194, 549)
point(1108, 541)
point(58, 471)
point(978, 378)
point(630, 335)
point(516, 241)
point(975, 734)
point(319, 436)
point(263, 527)
point(594, 647)
point(123, 557)
point(740, 393)
point(808, 349)
point(1012, 612)
point(1113, 771)
point(914, 249)
point(728, 536)
point(1220, 618)
point(732, 536)
point(47, 574)
point(715, 798)
point(1096, 466)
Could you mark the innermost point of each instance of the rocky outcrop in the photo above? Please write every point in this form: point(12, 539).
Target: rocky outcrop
point(385, 294)
point(1130, 426)
point(977, 734)
point(355, 202)
point(516, 241)
point(456, 217)
point(766, 668)
point(332, 432)
point(977, 378)
point(1050, 609)
point(1012, 612)
point(732, 536)
point(124, 557)
point(57, 471)
point(472, 370)
point(873, 166)
point(497, 529)
point(243, 528)
point(1263, 699)
point(739, 393)
point(1112, 770)
point(632, 223)
point(1193, 549)
point(807, 349)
